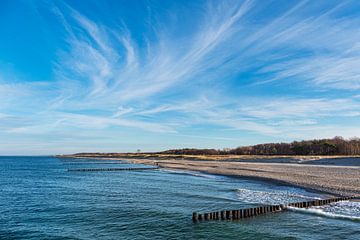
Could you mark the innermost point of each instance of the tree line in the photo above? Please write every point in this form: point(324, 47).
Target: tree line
point(334, 146)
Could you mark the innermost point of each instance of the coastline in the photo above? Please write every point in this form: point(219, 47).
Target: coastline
point(263, 179)
point(330, 180)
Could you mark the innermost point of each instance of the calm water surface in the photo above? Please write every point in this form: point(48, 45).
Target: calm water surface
point(40, 199)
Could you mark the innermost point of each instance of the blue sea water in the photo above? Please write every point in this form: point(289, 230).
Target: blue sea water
point(40, 199)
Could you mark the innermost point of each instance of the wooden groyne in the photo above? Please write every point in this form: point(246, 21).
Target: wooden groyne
point(110, 169)
point(251, 212)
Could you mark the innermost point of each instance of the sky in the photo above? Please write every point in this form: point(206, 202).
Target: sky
point(117, 76)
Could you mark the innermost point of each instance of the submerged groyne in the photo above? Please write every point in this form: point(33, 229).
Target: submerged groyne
point(251, 212)
point(111, 169)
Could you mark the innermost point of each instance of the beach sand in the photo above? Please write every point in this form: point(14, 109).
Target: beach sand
point(334, 175)
point(333, 178)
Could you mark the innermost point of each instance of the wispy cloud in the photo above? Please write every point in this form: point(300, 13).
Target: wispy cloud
point(121, 73)
point(301, 108)
point(211, 72)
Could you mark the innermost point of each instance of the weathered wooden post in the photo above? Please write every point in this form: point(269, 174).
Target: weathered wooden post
point(222, 213)
point(237, 214)
point(228, 215)
point(194, 217)
point(246, 213)
point(233, 214)
point(206, 216)
point(241, 213)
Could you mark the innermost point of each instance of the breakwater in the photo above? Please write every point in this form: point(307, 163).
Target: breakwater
point(110, 169)
point(251, 212)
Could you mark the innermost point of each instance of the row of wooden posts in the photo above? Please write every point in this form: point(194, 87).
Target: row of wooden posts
point(251, 212)
point(110, 169)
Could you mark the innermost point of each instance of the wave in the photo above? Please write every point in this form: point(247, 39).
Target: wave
point(193, 173)
point(273, 196)
point(324, 213)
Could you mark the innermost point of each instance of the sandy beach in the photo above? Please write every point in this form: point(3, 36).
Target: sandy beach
point(334, 175)
point(326, 175)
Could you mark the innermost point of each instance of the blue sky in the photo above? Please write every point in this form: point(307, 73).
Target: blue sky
point(106, 76)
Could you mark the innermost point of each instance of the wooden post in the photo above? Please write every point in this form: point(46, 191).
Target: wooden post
point(227, 215)
point(222, 213)
point(237, 214)
point(194, 217)
point(217, 215)
point(233, 214)
point(206, 216)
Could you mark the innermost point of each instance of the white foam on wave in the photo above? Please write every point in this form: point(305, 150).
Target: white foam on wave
point(273, 196)
point(193, 173)
point(324, 213)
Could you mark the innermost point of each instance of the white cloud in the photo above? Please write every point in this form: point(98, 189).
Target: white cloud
point(305, 108)
point(106, 77)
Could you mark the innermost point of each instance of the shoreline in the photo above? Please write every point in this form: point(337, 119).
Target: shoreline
point(330, 180)
point(261, 179)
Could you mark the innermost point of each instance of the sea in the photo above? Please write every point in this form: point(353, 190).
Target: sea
point(41, 199)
